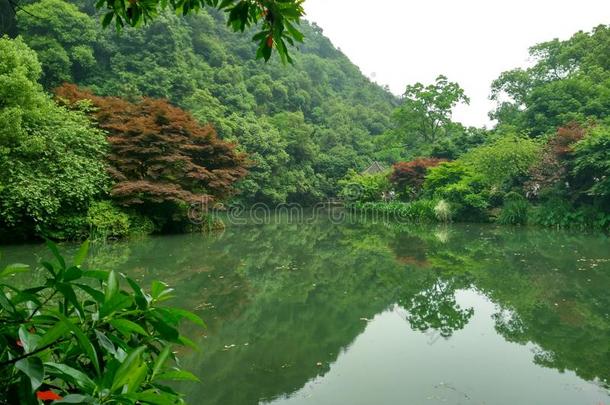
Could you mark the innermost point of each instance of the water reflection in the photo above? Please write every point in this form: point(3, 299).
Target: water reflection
point(323, 313)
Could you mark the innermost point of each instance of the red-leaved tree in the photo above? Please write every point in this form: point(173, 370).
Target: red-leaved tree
point(160, 158)
point(408, 177)
point(552, 169)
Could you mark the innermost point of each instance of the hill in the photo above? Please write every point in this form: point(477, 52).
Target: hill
point(303, 125)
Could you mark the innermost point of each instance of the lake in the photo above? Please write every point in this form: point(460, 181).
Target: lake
point(358, 312)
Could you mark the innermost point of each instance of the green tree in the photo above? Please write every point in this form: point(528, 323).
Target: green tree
point(425, 113)
point(63, 38)
point(50, 158)
point(504, 162)
point(269, 178)
point(568, 82)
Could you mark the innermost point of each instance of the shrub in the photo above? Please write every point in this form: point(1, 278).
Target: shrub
point(408, 177)
point(554, 212)
point(106, 220)
point(505, 162)
point(457, 184)
point(515, 210)
point(73, 227)
point(592, 165)
point(364, 187)
point(80, 337)
point(140, 225)
point(559, 213)
point(51, 159)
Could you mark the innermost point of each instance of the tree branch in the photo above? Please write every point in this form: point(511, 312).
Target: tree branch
point(26, 355)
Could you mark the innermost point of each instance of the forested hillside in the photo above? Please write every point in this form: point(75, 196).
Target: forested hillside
point(303, 125)
point(189, 114)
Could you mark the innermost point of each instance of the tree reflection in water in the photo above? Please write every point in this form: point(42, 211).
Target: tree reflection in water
point(283, 300)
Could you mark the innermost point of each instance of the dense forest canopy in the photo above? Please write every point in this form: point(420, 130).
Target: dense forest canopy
point(568, 82)
point(197, 63)
point(274, 20)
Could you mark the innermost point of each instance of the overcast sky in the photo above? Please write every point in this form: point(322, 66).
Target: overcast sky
point(397, 42)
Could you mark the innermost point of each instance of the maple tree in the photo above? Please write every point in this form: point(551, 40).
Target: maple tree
point(408, 177)
point(160, 158)
point(552, 166)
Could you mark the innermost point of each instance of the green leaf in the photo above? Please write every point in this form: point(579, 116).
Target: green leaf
point(83, 342)
point(183, 340)
point(28, 340)
point(100, 275)
point(72, 273)
point(296, 34)
point(33, 368)
point(53, 248)
point(57, 331)
point(116, 303)
point(14, 269)
point(105, 342)
point(95, 294)
point(112, 286)
point(72, 375)
point(156, 397)
point(182, 313)
point(137, 377)
point(141, 299)
point(178, 375)
point(166, 331)
point(6, 303)
point(81, 255)
point(76, 399)
point(131, 364)
point(160, 291)
point(68, 292)
point(49, 267)
point(127, 327)
point(107, 19)
point(161, 359)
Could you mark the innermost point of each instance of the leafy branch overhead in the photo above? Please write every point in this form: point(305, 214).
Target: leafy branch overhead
point(276, 18)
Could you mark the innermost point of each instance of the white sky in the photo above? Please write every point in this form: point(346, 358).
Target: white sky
point(399, 42)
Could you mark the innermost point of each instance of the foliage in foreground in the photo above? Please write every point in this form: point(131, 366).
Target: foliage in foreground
point(276, 19)
point(80, 338)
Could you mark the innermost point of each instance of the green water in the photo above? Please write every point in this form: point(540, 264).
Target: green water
point(361, 313)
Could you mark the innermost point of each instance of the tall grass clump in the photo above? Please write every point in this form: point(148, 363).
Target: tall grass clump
point(514, 211)
point(442, 211)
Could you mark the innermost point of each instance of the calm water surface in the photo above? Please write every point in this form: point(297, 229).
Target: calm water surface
point(361, 313)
